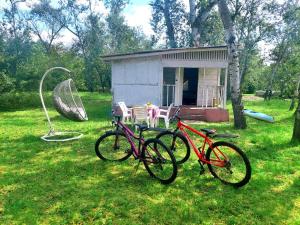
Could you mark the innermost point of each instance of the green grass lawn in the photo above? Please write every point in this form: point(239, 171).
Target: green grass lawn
point(65, 183)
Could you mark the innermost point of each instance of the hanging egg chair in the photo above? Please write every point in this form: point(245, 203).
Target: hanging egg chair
point(67, 102)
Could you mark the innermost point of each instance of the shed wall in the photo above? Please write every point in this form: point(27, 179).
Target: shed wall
point(137, 81)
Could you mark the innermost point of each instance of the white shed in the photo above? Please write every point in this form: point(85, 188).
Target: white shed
point(195, 77)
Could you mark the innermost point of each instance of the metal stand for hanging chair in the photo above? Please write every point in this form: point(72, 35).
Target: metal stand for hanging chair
point(67, 102)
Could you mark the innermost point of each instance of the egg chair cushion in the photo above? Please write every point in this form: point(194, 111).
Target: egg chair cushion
point(67, 102)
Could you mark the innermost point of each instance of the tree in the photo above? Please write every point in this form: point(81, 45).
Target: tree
point(6, 83)
point(296, 130)
point(287, 34)
point(233, 65)
point(43, 20)
point(18, 43)
point(95, 45)
point(72, 14)
point(197, 27)
point(121, 37)
point(254, 24)
point(116, 24)
point(169, 17)
point(199, 13)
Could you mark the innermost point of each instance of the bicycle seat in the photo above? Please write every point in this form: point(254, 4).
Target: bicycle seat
point(142, 127)
point(208, 131)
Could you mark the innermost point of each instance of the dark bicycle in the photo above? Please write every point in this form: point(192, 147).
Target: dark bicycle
point(118, 145)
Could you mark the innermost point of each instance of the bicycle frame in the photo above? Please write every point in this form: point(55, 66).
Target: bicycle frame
point(200, 152)
point(129, 135)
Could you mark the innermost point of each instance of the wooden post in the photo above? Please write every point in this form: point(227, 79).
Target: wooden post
point(206, 97)
point(161, 85)
point(225, 89)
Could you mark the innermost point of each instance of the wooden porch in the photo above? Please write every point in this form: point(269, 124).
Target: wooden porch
point(208, 114)
point(208, 96)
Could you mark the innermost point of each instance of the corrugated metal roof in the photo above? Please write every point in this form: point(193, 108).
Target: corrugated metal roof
point(158, 52)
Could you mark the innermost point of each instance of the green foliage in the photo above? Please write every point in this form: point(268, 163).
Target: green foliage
point(212, 33)
point(21, 100)
point(121, 37)
point(23, 60)
point(6, 83)
point(169, 17)
point(255, 78)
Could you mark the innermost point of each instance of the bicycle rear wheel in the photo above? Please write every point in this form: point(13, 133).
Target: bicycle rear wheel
point(159, 161)
point(177, 143)
point(113, 146)
point(235, 169)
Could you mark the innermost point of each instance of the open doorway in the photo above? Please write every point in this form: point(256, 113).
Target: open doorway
point(190, 86)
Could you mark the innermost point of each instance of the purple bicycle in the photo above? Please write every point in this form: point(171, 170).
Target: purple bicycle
point(118, 145)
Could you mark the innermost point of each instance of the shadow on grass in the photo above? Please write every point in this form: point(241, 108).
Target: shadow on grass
point(64, 187)
point(63, 183)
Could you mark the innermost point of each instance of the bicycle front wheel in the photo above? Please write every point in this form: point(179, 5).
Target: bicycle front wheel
point(177, 143)
point(159, 161)
point(113, 146)
point(229, 164)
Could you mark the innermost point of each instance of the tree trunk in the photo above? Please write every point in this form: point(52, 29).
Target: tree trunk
point(88, 74)
point(170, 27)
point(197, 21)
point(245, 66)
point(100, 77)
point(233, 66)
point(293, 102)
point(296, 132)
point(195, 30)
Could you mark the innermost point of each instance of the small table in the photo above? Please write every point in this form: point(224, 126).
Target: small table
point(153, 112)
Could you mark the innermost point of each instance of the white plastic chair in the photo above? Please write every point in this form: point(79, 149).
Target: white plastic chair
point(127, 112)
point(140, 114)
point(164, 114)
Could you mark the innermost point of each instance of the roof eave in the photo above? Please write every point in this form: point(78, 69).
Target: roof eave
point(109, 58)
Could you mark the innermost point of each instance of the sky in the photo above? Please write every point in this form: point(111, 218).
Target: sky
point(137, 14)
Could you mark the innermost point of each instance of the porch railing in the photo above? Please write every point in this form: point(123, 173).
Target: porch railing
point(208, 96)
point(211, 96)
point(168, 94)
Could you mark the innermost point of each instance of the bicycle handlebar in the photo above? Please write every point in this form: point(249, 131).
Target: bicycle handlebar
point(176, 114)
point(116, 117)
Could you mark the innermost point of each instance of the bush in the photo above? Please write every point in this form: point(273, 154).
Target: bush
point(6, 83)
point(22, 100)
point(249, 88)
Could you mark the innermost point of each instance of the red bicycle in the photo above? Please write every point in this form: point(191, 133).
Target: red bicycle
point(119, 145)
point(225, 161)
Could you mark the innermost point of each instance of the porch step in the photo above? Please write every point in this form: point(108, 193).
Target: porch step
point(204, 114)
point(193, 117)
